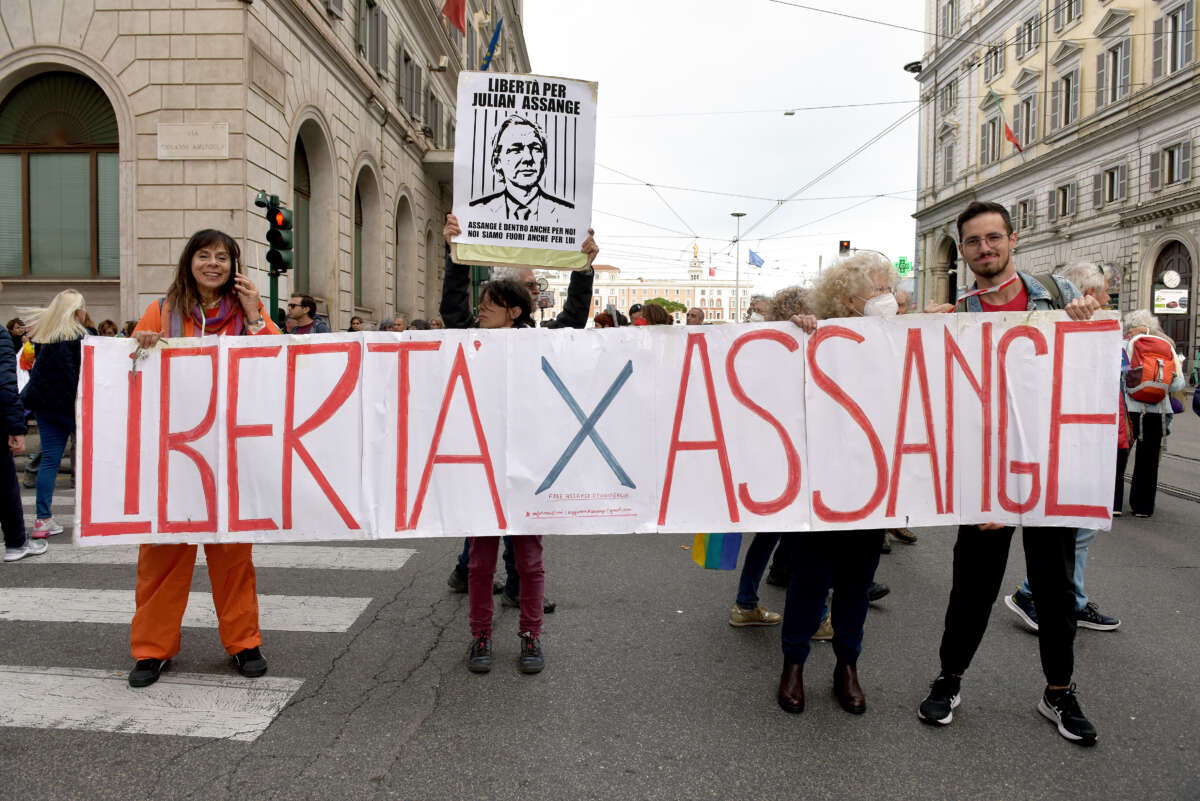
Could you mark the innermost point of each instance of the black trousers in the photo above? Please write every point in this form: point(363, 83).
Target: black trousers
point(1148, 429)
point(980, 558)
point(12, 516)
point(1119, 489)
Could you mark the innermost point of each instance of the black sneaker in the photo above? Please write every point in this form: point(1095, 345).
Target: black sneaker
point(1061, 707)
point(250, 662)
point(938, 707)
point(457, 580)
point(877, 591)
point(531, 660)
point(548, 606)
point(479, 658)
point(147, 671)
point(1023, 606)
point(1089, 617)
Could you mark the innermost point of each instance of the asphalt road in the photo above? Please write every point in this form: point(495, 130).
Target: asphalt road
point(648, 693)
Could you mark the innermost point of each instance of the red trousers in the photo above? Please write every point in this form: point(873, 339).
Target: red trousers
point(164, 579)
point(527, 553)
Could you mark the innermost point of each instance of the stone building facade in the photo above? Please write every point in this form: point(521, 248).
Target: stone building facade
point(127, 125)
point(1102, 96)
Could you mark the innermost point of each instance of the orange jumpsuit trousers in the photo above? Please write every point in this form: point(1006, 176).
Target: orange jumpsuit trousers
point(164, 579)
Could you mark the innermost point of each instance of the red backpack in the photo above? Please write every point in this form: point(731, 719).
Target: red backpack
point(1151, 368)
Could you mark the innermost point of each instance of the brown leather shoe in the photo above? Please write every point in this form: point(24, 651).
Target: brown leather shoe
point(845, 687)
point(791, 687)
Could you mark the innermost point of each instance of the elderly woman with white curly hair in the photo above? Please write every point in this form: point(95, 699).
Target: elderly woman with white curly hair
point(861, 285)
point(1149, 423)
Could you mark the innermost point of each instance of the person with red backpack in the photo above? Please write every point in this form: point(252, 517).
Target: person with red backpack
point(1152, 375)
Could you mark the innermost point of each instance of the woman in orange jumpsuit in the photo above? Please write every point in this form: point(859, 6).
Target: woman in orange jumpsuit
point(208, 296)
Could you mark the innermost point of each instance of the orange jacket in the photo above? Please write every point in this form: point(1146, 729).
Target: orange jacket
point(154, 320)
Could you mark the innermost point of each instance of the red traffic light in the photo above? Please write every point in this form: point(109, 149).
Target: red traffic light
point(844, 247)
point(279, 218)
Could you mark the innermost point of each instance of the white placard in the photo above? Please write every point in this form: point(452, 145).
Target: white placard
point(193, 140)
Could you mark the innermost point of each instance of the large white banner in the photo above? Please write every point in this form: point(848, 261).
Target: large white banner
point(910, 421)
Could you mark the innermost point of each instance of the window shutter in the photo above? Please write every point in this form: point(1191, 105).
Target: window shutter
point(1076, 9)
point(1075, 96)
point(1122, 178)
point(1017, 127)
point(334, 7)
point(1000, 61)
point(1055, 103)
point(1155, 171)
point(1098, 191)
point(1052, 206)
point(1185, 160)
point(1071, 199)
point(1037, 30)
point(1101, 62)
point(1020, 41)
point(1033, 119)
point(1126, 80)
point(1058, 14)
point(1157, 47)
point(364, 11)
point(983, 145)
point(1014, 212)
point(1188, 33)
point(1032, 211)
point(381, 46)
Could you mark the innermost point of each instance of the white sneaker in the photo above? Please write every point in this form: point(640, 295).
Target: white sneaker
point(31, 548)
point(46, 528)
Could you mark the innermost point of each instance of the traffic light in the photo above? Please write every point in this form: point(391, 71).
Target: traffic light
point(844, 247)
point(279, 234)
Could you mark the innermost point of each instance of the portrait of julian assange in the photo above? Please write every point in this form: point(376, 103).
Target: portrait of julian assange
point(518, 159)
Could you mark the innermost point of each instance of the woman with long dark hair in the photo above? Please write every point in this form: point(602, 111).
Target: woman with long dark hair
point(208, 296)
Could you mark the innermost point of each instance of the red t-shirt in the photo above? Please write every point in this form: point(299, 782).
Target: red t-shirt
point(1019, 303)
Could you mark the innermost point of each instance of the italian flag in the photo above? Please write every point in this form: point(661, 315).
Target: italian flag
point(1008, 131)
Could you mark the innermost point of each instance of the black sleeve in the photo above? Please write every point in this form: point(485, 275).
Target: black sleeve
point(455, 307)
point(10, 401)
point(579, 301)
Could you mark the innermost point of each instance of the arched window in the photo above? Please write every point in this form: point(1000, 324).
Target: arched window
point(58, 179)
point(358, 248)
point(302, 185)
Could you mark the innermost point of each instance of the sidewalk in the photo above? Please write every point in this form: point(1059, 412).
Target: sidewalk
point(1179, 473)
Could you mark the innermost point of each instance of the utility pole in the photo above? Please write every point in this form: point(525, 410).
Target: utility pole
point(737, 266)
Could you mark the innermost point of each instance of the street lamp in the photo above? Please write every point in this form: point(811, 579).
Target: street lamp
point(737, 266)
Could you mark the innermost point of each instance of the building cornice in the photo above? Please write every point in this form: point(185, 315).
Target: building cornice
point(1176, 203)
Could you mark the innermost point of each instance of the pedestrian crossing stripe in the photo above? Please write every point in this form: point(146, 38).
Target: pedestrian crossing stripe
point(183, 704)
point(275, 612)
point(322, 557)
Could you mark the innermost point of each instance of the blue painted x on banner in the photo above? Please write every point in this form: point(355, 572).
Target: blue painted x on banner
point(588, 426)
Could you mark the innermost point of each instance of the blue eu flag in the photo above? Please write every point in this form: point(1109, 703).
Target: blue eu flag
point(755, 259)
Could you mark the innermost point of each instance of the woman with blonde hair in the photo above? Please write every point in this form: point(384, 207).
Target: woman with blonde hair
point(844, 560)
point(58, 331)
point(208, 296)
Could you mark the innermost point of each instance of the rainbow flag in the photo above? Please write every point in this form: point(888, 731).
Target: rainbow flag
point(716, 551)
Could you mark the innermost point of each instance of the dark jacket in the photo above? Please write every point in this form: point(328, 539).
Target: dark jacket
point(54, 378)
point(10, 402)
point(456, 298)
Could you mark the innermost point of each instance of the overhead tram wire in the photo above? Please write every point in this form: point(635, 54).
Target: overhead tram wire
point(898, 122)
point(893, 195)
point(655, 191)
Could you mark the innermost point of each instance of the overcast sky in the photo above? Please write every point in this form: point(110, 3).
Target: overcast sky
point(693, 93)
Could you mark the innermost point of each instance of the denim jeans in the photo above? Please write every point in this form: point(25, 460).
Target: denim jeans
point(54, 432)
point(753, 567)
point(1083, 538)
point(512, 578)
point(845, 561)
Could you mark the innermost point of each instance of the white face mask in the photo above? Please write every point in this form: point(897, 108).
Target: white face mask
point(755, 317)
point(881, 306)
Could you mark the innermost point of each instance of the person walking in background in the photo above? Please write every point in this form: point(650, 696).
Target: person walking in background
point(1089, 279)
point(58, 331)
point(302, 314)
point(1149, 419)
point(17, 543)
point(208, 296)
point(107, 328)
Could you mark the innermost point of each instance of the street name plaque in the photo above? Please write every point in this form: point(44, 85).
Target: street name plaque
point(193, 140)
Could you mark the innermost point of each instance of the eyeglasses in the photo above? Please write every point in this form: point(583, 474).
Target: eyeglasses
point(992, 239)
point(295, 305)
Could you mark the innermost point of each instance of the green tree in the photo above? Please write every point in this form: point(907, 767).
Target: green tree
point(670, 305)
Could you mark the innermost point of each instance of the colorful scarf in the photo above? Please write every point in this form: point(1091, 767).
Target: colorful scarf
point(229, 313)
